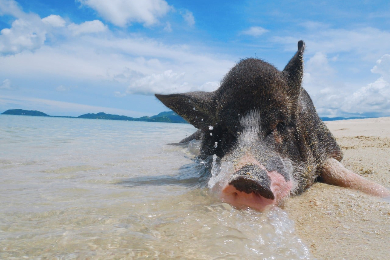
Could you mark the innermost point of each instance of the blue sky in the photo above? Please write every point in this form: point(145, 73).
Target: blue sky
point(75, 57)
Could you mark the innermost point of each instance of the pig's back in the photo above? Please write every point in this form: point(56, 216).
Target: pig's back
point(318, 143)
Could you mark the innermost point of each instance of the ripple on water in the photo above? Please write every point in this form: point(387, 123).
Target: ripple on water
point(191, 225)
point(105, 190)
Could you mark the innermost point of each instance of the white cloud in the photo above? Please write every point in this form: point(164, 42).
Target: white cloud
point(10, 7)
point(49, 62)
point(382, 67)
point(166, 82)
point(138, 64)
point(336, 70)
point(6, 84)
point(373, 99)
point(209, 86)
point(121, 61)
point(29, 31)
point(321, 83)
point(95, 26)
point(318, 74)
point(168, 27)
point(319, 64)
point(25, 34)
point(125, 63)
point(333, 97)
point(365, 44)
point(188, 17)
point(54, 21)
point(255, 31)
point(124, 12)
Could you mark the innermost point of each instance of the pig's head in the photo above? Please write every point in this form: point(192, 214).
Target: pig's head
point(250, 126)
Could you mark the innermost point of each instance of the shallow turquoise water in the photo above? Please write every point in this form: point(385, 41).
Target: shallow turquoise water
point(79, 189)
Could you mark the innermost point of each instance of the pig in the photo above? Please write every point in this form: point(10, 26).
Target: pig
point(264, 136)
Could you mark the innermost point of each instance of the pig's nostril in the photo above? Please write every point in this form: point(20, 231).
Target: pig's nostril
point(252, 179)
point(247, 185)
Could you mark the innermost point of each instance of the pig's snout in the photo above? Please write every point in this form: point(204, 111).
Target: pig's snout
point(257, 187)
point(251, 178)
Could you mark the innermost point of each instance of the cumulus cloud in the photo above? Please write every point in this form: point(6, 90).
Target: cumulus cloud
point(122, 61)
point(95, 26)
point(382, 67)
point(10, 7)
point(54, 21)
point(364, 43)
point(24, 34)
point(375, 97)
point(318, 72)
point(125, 12)
point(320, 81)
point(333, 97)
point(125, 63)
point(28, 32)
point(372, 99)
point(255, 31)
point(188, 17)
point(319, 63)
point(167, 82)
point(331, 51)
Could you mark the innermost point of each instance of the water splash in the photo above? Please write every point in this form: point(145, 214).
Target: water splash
point(220, 174)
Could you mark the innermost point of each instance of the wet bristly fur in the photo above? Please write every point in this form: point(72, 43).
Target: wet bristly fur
point(255, 92)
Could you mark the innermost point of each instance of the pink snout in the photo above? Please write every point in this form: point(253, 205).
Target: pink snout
point(255, 187)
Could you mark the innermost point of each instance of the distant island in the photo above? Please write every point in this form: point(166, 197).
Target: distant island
point(22, 112)
point(168, 117)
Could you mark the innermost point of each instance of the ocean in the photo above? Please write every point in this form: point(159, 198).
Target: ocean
point(101, 189)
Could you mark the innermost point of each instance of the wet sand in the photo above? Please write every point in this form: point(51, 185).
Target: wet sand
point(339, 223)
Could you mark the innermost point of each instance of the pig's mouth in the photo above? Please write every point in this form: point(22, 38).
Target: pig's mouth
point(253, 186)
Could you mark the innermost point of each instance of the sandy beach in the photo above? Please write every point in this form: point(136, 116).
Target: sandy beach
point(339, 223)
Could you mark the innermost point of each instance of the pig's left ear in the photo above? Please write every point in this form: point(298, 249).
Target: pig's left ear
point(294, 71)
point(198, 108)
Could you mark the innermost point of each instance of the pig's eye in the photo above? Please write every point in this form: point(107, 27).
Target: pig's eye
point(281, 127)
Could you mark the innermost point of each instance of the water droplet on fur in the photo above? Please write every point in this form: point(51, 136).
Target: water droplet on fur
point(211, 128)
point(215, 144)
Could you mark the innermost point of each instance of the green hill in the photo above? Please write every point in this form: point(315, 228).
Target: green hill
point(168, 117)
point(24, 112)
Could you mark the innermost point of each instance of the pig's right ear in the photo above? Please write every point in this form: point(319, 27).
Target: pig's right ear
point(198, 108)
point(294, 71)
